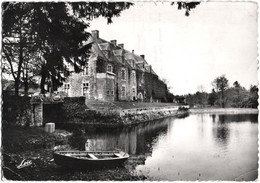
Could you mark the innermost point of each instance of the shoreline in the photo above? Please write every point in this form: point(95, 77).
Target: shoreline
point(115, 125)
point(123, 118)
point(224, 110)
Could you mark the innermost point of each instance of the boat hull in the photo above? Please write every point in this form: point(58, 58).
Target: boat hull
point(79, 163)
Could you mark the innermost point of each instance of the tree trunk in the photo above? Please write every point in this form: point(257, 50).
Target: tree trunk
point(16, 86)
point(26, 88)
point(17, 79)
point(43, 78)
point(25, 80)
point(223, 102)
point(42, 84)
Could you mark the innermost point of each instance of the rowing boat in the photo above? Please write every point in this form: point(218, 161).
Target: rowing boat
point(89, 159)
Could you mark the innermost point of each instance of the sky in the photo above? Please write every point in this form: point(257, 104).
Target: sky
point(189, 52)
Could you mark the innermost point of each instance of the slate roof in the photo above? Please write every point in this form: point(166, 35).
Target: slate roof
point(100, 45)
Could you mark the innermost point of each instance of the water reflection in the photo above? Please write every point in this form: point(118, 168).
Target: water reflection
point(222, 134)
point(134, 140)
point(198, 147)
point(226, 118)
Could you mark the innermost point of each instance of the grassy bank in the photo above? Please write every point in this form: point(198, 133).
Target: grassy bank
point(36, 145)
point(225, 110)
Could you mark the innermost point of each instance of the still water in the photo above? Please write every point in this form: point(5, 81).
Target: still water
point(198, 147)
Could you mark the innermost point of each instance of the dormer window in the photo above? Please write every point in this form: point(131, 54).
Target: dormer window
point(109, 68)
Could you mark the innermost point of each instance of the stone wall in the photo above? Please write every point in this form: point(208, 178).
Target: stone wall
point(37, 114)
point(77, 114)
point(122, 83)
point(140, 83)
point(101, 86)
point(76, 80)
point(139, 115)
point(154, 87)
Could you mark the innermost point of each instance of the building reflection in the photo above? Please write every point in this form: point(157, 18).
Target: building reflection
point(213, 118)
point(133, 140)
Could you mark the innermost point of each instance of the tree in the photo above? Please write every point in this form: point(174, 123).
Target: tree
point(253, 100)
point(221, 84)
point(169, 95)
point(186, 5)
point(237, 94)
point(17, 42)
point(212, 97)
point(236, 84)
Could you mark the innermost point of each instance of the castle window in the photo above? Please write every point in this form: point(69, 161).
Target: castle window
point(110, 93)
point(109, 68)
point(133, 90)
point(85, 69)
point(85, 88)
point(123, 74)
point(133, 75)
point(142, 79)
point(123, 91)
point(133, 63)
point(66, 87)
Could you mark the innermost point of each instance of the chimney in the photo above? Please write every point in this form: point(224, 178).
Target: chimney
point(114, 42)
point(95, 34)
point(133, 51)
point(121, 46)
point(142, 56)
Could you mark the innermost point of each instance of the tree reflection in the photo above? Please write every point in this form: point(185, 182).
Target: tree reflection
point(253, 118)
point(221, 131)
point(78, 139)
point(222, 134)
point(222, 118)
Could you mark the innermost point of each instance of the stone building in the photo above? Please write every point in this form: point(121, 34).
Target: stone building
point(112, 73)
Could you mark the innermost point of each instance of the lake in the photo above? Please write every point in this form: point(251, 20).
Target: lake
point(197, 147)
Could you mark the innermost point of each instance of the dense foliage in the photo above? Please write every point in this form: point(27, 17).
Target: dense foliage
point(224, 96)
point(16, 110)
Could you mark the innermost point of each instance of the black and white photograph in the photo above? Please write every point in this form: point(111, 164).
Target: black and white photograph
point(129, 91)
